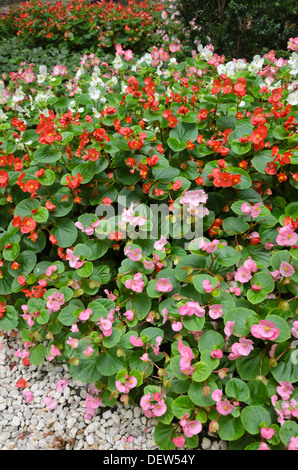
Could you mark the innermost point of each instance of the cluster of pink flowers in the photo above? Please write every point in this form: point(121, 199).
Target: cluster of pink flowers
point(242, 348)
point(55, 301)
point(92, 401)
point(131, 382)
point(265, 330)
point(286, 236)
point(293, 44)
point(74, 261)
point(190, 427)
point(136, 283)
point(128, 55)
point(195, 201)
point(191, 308)
point(223, 406)
point(105, 324)
point(244, 273)
point(153, 405)
point(186, 356)
point(208, 246)
point(254, 210)
point(288, 406)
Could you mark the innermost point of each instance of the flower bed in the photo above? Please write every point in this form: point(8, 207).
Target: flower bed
point(149, 237)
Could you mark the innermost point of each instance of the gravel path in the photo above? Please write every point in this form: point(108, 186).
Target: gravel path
point(33, 426)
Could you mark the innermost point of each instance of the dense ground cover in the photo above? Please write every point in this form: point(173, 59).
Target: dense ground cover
point(192, 314)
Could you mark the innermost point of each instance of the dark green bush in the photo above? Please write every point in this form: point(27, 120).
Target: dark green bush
point(239, 28)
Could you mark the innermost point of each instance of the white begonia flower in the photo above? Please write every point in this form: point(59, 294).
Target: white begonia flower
point(252, 67)
point(293, 59)
point(41, 78)
point(221, 69)
point(96, 113)
point(292, 99)
point(19, 94)
point(206, 54)
point(102, 99)
point(117, 62)
point(3, 116)
point(294, 69)
point(166, 73)
point(43, 69)
point(94, 93)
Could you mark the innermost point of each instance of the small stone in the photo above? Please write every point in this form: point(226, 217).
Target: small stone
point(206, 443)
point(107, 414)
point(215, 446)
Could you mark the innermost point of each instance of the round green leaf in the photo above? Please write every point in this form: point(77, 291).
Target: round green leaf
point(252, 417)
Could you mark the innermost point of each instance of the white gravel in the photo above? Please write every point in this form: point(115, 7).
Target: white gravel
point(33, 426)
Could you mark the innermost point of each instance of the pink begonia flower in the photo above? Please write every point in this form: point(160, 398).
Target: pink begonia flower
point(229, 327)
point(243, 347)
point(224, 407)
point(285, 390)
point(135, 255)
point(145, 358)
point(263, 446)
point(286, 236)
point(20, 354)
point(256, 210)
point(60, 385)
point(89, 413)
point(128, 54)
point(216, 354)
point(159, 244)
point(92, 402)
point(215, 311)
point(163, 285)
point(74, 261)
point(268, 246)
point(250, 264)
point(28, 318)
point(88, 351)
point(255, 287)
point(191, 308)
point(159, 408)
point(176, 325)
point(110, 295)
point(74, 328)
point(137, 342)
point(179, 441)
point(191, 428)
point(29, 396)
point(265, 330)
point(127, 216)
point(194, 198)
point(245, 208)
point(207, 286)
point(136, 283)
point(50, 270)
point(293, 444)
point(85, 315)
point(243, 275)
point(145, 401)
point(267, 433)
point(286, 269)
point(216, 395)
point(148, 264)
point(54, 351)
point(129, 384)
point(73, 342)
point(55, 301)
point(129, 315)
point(105, 325)
point(50, 403)
point(294, 329)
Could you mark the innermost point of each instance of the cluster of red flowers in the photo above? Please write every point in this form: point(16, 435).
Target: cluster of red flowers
point(47, 129)
point(222, 83)
point(26, 225)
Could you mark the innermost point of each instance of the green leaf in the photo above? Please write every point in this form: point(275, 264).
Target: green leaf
point(37, 355)
point(181, 406)
point(10, 254)
point(230, 428)
point(86, 371)
point(65, 232)
point(193, 323)
point(66, 316)
point(109, 364)
point(47, 154)
point(113, 339)
point(239, 315)
point(176, 145)
point(164, 435)
point(195, 393)
point(9, 320)
point(253, 416)
point(233, 225)
point(253, 365)
point(238, 389)
point(201, 372)
point(287, 430)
